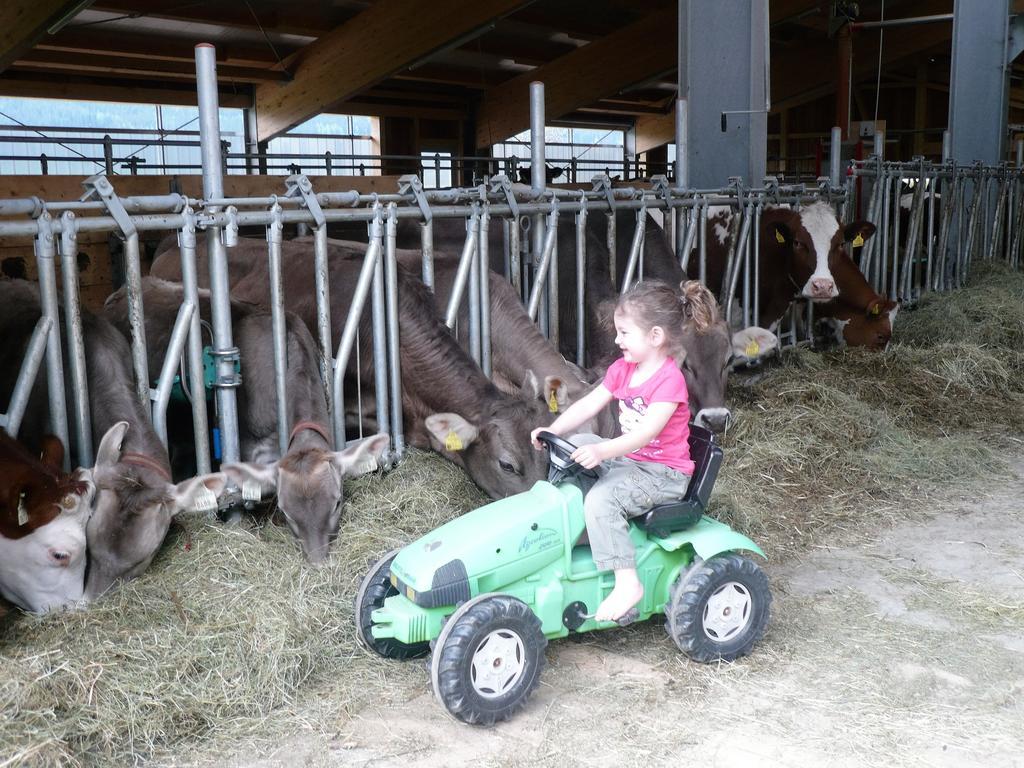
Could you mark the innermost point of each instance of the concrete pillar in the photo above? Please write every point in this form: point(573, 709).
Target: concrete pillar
point(979, 80)
point(722, 54)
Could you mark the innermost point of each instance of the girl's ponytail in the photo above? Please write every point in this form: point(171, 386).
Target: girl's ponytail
point(698, 304)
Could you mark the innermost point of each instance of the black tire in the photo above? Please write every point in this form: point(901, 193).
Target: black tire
point(374, 589)
point(741, 603)
point(460, 662)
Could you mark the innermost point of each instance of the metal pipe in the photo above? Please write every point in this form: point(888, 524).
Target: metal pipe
point(378, 313)
point(483, 244)
point(733, 270)
point(947, 146)
point(691, 233)
point(348, 334)
point(611, 240)
point(930, 234)
point(45, 251)
point(538, 178)
point(907, 22)
point(515, 263)
point(465, 262)
point(172, 356)
point(196, 377)
point(323, 311)
point(878, 148)
point(537, 290)
point(682, 166)
point(394, 350)
point(76, 345)
point(635, 249)
point(551, 288)
point(11, 421)
point(220, 296)
point(474, 304)
point(278, 330)
point(746, 271)
point(581, 282)
point(756, 309)
point(427, 247)
point(136, 317)
point(702, 232)
point(894, 278)
point(835, 156)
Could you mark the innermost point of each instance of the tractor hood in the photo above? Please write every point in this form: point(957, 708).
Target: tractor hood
point(489, 547)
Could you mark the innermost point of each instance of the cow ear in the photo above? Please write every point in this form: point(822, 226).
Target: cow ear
point(52, 452)
point(264, 475)
point(530, 388)
point(753, 343)
point(556, 394)
point(361, 457)
point(858, 231)
point(449, 430)
point(109, 452)
point(199, 493)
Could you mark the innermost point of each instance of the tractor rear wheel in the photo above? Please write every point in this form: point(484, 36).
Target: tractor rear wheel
point(719, 608)
point(374, 589)
point(488, 659)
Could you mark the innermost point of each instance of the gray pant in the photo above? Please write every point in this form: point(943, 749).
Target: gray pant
point(625, 488)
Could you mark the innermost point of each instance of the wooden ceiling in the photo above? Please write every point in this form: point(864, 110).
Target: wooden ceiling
point(602, 60)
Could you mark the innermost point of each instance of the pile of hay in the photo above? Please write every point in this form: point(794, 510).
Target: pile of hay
point(228, 634)
point(217, 640)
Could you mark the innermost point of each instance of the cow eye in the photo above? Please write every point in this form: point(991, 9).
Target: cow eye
point(507, 467)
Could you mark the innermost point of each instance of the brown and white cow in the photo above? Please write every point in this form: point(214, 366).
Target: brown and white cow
point(448, 404)
point(308, 479)
point(860, 316)
point(43, 514)
point(135, 498)
point(798, 251)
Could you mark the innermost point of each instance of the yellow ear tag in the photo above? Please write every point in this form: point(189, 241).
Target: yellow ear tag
point(453, 442)
point(858, 241)
point(753, 349)
point(553, 402)
point(778, 237)
point(876, 310)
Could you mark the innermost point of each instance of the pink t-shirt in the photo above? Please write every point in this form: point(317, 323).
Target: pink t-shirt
point(666, 385)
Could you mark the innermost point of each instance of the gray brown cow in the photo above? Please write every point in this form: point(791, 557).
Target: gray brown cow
point(135, 498)
point(448, 403)
point(307, 479)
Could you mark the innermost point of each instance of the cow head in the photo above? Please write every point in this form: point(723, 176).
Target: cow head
point(309, 488)
point(810, 241)
point(132, 511)
point(495, 448)
point(42, 528)
point(870, 328)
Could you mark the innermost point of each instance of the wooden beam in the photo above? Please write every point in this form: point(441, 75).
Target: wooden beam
point(129, 66)
point(23, 22)
point(45, 86)
point(376, 44)
point(597, 70)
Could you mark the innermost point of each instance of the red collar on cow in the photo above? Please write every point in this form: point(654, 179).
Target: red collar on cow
point(138, 460)
point(312, 426)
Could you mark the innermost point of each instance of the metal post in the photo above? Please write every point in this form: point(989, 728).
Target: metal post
point(194, 353)
point(756, 309)
point(351, 329)
point(474, 303)
point(11, 421)
point(323, 310)
point(225, 351)
point(483, 246)
point(835, 157)
point(702, 233)
point(172, 356)
point(427, 246)
point(947, 146)
point(381, 382)
point(537, 289)
point(610, 241)
point(515, 259)
point(581, 280)
point(45, 251)
point(277, 321)
point(635, 250)
point(136, 316)
point(469, 254)
point(682, 171)
point(73, 334)
point(538, 178)
point(108, 156)
point(879, 143)
point(394, 350)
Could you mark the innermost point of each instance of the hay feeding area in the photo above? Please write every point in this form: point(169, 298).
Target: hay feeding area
point(229, 634)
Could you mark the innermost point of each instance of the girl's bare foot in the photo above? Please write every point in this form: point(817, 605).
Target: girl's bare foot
point(628, 592)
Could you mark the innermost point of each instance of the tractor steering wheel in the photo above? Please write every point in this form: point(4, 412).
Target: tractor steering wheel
point(561, 466)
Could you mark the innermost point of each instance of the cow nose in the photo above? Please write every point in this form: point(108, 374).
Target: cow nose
point(822, 288)
point(59, 557)
point(715, 419)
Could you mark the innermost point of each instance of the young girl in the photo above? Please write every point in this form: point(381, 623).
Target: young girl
point(650, 463)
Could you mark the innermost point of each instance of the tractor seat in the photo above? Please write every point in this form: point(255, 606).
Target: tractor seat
point(680, 515)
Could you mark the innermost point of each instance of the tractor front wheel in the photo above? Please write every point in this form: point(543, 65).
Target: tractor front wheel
point(719, 608)
point(374, 589)
point(488, 659)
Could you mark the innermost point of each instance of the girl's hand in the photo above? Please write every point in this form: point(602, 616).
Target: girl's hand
point(589, 456)
point(537, 444)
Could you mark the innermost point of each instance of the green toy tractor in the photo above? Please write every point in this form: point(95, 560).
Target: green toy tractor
point(485, 592)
